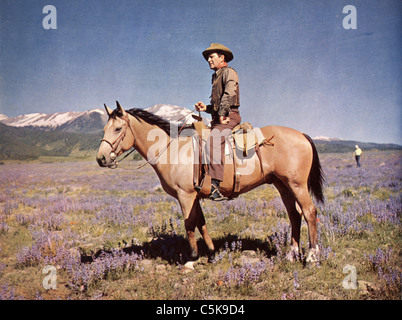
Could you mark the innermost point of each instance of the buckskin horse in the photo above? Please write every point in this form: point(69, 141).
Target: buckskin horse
point(291, 164)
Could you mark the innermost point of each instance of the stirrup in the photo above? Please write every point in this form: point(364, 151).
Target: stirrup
point(216, 195)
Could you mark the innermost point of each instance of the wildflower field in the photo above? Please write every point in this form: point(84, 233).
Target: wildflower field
point(71, 230)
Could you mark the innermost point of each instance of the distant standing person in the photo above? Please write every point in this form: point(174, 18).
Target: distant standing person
point(358, 152)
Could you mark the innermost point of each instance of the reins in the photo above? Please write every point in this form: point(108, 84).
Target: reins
point(155, 157)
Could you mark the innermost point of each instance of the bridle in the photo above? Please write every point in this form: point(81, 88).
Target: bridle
point(115, 144)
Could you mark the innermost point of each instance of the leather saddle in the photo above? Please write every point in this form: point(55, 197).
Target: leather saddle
point(241, 145)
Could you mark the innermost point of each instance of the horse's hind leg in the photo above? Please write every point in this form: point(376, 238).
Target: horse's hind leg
point(303, 198)
point(295, 218)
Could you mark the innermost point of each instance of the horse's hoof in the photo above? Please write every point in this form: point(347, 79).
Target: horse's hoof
point(290, 256)
point(189, 265)
point(211, 257)
point(312, 259)
point(193, 256)
point(293, 255)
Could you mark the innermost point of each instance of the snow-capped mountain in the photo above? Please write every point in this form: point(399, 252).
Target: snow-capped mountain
point(323, 138)
point(174, 114)
point(50, 121)
point(2, 117)
point(89, 121)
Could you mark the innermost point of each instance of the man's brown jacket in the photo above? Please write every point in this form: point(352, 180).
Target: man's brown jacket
point(225, 92)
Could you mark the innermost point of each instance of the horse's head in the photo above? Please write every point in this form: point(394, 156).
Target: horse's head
point(118, 137)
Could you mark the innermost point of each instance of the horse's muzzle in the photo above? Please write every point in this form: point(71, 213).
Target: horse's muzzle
point(102, 161)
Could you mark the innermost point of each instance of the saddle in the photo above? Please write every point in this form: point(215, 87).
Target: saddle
point(245, 138)
point(241, 145)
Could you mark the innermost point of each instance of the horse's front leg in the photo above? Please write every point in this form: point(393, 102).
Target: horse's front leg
point(202, 227)
point(189, 209)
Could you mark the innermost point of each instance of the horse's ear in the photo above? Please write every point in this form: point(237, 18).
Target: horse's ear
point(120, 110)
point(108, 110)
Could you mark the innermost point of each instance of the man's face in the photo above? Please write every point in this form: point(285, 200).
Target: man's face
point(215, 61)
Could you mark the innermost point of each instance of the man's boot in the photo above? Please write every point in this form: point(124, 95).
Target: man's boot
point(216, 195)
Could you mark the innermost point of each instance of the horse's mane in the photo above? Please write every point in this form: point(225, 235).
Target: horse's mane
point(143, 115)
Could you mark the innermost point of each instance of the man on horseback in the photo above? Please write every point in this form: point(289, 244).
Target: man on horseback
point(224, 108)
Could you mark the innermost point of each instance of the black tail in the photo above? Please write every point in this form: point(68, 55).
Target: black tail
point(316, 176)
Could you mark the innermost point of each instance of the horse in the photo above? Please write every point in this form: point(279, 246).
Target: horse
point(291, 164)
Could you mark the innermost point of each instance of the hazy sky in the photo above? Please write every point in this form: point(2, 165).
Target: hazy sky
point(298, 66)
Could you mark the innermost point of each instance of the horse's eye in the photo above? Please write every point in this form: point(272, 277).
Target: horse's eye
point(118, 129)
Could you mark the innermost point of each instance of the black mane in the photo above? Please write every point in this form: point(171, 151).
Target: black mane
point(143, 115)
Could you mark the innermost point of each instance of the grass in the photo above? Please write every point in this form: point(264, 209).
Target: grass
point(114, 234)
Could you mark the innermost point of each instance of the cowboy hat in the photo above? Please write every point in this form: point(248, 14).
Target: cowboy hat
point(216, 47)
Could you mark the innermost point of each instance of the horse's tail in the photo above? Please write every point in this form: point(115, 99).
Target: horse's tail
point(316, 176)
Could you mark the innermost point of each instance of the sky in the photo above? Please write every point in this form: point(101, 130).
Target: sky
point(297, 64)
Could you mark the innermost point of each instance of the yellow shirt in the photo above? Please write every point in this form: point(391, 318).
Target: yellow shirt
point(358, 152)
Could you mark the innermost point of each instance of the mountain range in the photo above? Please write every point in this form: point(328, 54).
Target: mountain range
point(91, 121)
point(88, 121)
point(30, 136)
